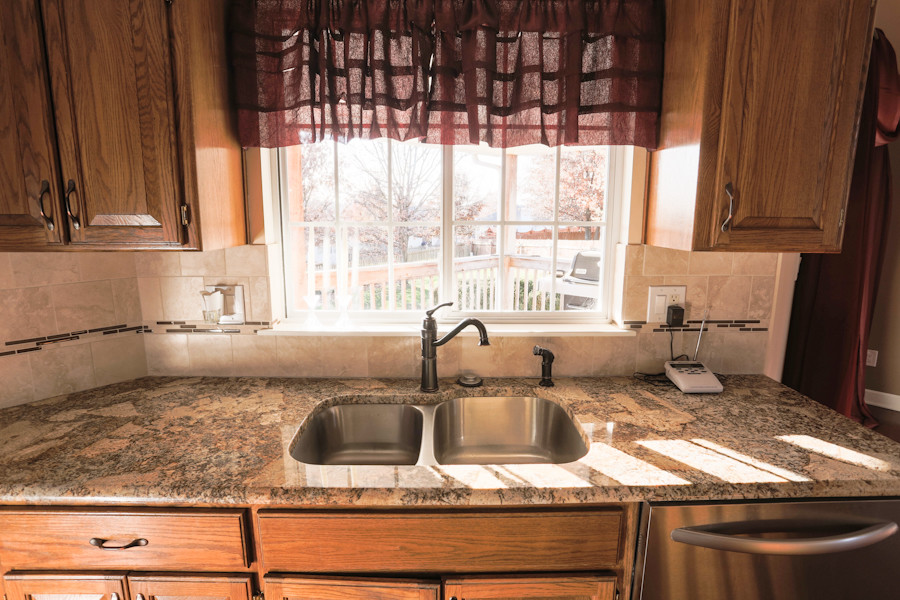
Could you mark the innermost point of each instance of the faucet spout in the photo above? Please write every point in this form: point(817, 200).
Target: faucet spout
point(430, 341)
point(482, 332)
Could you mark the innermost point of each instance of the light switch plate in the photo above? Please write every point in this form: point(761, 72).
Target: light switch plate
point(660, 298)
point(872, 358)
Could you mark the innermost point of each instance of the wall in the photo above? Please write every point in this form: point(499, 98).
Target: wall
point(146, 309)
point(885, 336)
point(70, 321)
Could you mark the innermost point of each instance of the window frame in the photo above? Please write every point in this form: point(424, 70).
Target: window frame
point(617, 197)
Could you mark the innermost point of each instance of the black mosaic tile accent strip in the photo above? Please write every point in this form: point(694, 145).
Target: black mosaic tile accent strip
point(36, 343)
point(59, 339)
point(188, 326)
point(637, 326)
point(759, 329)
point(711, 321)
point(625, 323)
point(28, 341)
point(164, 323)
point(107, 328)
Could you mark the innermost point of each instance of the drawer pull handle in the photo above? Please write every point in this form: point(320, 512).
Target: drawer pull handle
point(101, 543)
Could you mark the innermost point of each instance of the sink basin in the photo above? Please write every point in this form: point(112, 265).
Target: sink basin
point(362, 434)
point(505, 430)
point(464, 431)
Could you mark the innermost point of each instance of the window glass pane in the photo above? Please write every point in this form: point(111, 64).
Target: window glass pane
point(529, 268)
point(417, 255)
point(363, 180)
point(310, 172)
point(582, 183)
point(477, 173)
point(531, 187)
point(475, 267)
point(367, 267)
point(416, 179)
point(579, 252)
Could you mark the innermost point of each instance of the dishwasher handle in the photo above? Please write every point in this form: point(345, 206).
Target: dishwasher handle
point(729, 537)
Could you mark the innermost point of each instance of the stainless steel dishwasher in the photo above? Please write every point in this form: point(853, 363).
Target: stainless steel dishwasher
point(820, 550)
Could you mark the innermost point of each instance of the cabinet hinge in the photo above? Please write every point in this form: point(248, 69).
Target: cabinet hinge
point(841, 221)
point(184, 215)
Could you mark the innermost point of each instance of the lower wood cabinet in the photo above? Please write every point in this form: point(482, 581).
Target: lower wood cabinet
point(334, 588)
point(551, 587)
point(189, 587)
point(117, 586)
point(556, 587)
point(68, 586)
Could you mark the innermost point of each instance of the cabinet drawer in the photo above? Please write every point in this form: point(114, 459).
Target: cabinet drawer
point(84, 539)
point(441, 542)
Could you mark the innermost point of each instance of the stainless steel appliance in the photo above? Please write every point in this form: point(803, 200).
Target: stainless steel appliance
point(774, 551)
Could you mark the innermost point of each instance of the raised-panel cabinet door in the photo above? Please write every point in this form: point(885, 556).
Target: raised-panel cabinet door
point(790, 111)
point(47, 586)
point(333, 588)
point(189, 587)
point(29, 189)
point(576, 587)
point(111, 76)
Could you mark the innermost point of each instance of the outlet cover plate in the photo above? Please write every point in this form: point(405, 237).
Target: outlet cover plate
point(872, 358)
point(661, 297)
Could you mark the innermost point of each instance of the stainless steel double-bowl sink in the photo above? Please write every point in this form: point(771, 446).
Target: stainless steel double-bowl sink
point(471, 430)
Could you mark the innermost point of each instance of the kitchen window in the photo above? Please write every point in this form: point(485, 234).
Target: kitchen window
point(380, 230)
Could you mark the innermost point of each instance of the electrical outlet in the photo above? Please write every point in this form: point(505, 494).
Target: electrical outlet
point(872, 358)
point(660, 298)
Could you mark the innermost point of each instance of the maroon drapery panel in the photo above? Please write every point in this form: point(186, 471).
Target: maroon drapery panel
point(834, 298)
point(504, 72)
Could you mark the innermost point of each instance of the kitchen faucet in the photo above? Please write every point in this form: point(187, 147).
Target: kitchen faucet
point(430, 342)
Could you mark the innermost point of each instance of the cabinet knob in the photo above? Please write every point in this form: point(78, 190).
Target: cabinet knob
point(139, 597)
point(729, 189)
point(70, 189)
point(114, 596)
point(45, 189)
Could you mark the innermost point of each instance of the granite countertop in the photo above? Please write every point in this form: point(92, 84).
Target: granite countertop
point(225, 441)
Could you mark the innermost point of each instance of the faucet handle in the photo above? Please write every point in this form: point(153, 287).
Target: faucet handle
point(432, 310)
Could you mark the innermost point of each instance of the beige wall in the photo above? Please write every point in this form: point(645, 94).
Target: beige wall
point(885, 336)
point(49, 294)
point(55, 293)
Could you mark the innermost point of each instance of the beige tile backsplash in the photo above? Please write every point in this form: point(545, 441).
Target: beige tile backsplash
point(47, 294)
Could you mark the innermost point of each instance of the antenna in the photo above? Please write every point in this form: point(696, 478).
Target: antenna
point(700, 337)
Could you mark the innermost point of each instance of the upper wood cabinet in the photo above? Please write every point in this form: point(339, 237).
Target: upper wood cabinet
point(139, 149)
point(761, 105)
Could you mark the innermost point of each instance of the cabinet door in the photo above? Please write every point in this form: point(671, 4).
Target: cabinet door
point(537, 588)
point(188, 587)
point(111, 77)
point(792, 96)
point(28, 171)
point(47, 586)
point(332, 588)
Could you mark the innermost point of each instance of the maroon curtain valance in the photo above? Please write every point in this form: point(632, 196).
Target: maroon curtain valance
point(505, 72)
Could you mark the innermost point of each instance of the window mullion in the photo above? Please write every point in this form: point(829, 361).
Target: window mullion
point(501, 238)
point(555, 232)
point(392, 284)
point(447, 242)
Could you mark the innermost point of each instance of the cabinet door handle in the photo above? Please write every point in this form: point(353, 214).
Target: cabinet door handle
point(729, 189)
point(45, 189)
point(102, 544)
point(70, 188)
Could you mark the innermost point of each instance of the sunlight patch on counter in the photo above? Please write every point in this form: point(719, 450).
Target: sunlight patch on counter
point(473, 476)
point(545, 476)
point(627, 469)
point(836, 452)
point(789, 475)
point(708, 461)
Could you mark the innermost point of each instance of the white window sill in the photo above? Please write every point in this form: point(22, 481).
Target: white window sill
point(414, 329)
